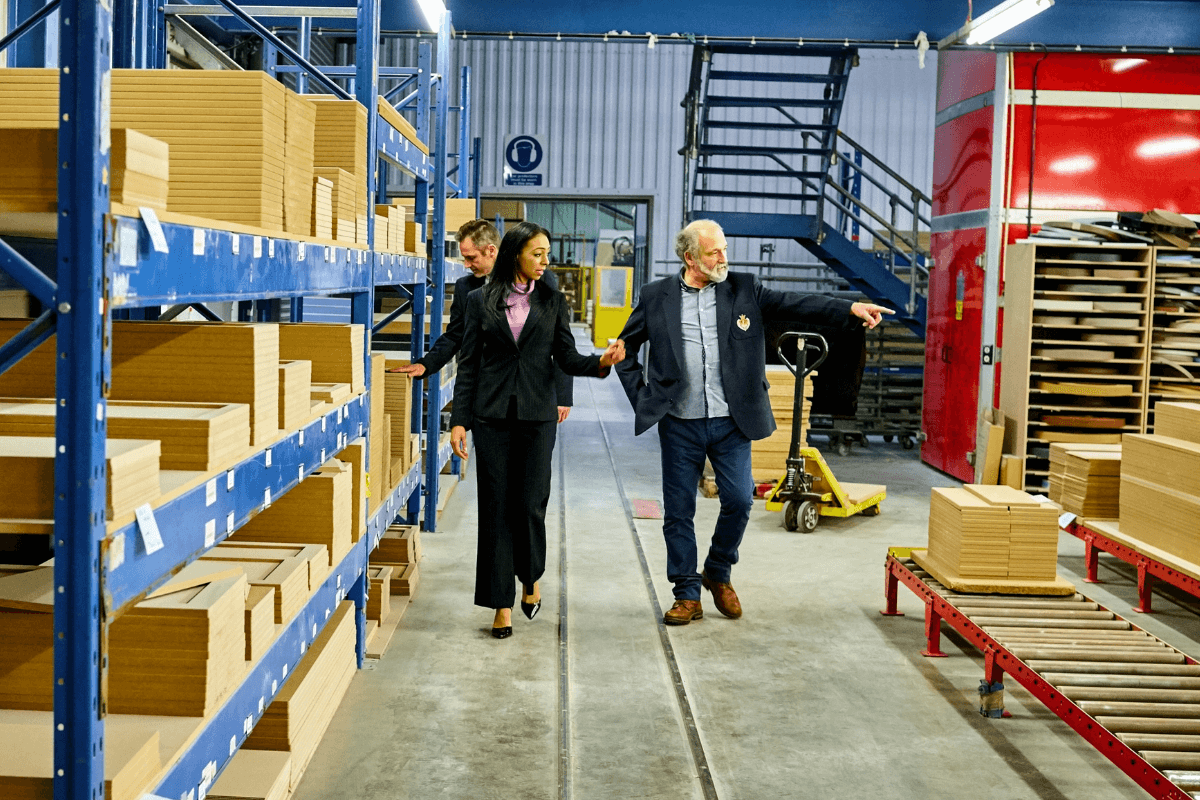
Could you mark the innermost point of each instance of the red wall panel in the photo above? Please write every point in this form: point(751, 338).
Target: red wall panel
point(962, 163)
point(1109, 73)
point(963, 75)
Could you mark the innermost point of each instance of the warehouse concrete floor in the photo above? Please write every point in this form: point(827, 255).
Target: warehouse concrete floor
point(812, 694)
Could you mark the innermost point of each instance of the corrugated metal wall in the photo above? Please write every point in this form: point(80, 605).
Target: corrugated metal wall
point(609, 115)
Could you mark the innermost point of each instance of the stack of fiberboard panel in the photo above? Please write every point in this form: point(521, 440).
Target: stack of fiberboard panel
point(1160, 482)
point(1032, 532)
point(376, 469)
point(341, 142)
point(768, 457)
point(300, 129)
point(342, 186)
point(1058, 464)
point(316, 511)
point(398, 403)
point(336, 351)
point(1091, 482)
point(193, 436)
point(322, 208)
point(254, 775)
point(27, 629)
point(283, 568)
point(295, 384)
point(27, 476)
point(297, 718)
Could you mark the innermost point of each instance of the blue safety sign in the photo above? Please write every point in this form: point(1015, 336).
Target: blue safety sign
point(523, 157)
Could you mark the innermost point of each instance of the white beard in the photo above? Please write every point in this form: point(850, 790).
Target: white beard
point(716, 274)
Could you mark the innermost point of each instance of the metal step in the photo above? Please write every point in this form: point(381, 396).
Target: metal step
point(774, 77)
point(732, 124)
point(799, 196)
point(759, 173)
point(728, 101)
point(751, 150)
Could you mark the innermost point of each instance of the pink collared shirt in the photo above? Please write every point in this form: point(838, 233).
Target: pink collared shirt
point(518, 308)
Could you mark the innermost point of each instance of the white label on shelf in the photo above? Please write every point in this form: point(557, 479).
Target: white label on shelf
point(302, 438)
point(116, 552)
point(237, 244)
point(339, 581)
point(210, 533)
point(229, 522)
point(248, 724)
point(300, 473)
point(301, 251)
point(360, 401)
point(128, 246)
point(266, 498)
point(285, 668)
point(256, 246)
point(268, 456)
point(315, 630)
point(303, 647)
point(1066, 519)
point(339, 599)
point(270, 248)
point(197, 241)
point(210, 493)
point(275, 684)
point(323, 426)
point(339, 415)
point(232, 750)
point(154, 227)
point(148, 526)
point(360, 429)
point(328, 254)
point(99, 412)
point(389, 275)
point(229, 481)
point(262, 704)
point(322, 455)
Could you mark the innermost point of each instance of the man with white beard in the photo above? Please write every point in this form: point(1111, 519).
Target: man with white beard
point(704, 384)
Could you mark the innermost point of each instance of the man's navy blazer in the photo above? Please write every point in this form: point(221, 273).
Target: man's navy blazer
point(743, 304)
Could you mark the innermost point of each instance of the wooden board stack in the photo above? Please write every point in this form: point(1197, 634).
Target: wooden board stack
point(1058, 462)
point(355, 454)
point(768, 457)
point(341, 141)
point(316, 511)
point(27, 476)
point(298, 716)
point(459, 211)
point(333, 394)
point(322, 208)
point(398, 402)
point(379, 591)
point(254, 775)
point(395, 229)
point(27, 629)
point(139, 169)
point(179, 654)
point(342, 186)
point(400, 548)
point(295, 386)
point(1032, 532)
point(397, 121)
point(193, 436)
point(285, 569)
point(1160, 483)
point(300, 124)
point(1091, 483)
point(260, 621)
point(377, 473)
point(336, 351)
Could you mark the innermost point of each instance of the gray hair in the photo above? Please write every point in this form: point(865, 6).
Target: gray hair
point(688, 239)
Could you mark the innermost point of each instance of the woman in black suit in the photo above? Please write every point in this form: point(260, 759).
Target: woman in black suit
point(517, 329)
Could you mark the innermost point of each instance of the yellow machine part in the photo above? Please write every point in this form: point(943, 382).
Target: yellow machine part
point(837, 499)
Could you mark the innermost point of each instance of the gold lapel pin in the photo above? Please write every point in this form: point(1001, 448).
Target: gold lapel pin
point(743, 322)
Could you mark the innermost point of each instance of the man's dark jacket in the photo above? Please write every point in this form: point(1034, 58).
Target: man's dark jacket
point(743, 306)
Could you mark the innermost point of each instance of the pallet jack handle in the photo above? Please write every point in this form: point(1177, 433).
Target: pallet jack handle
point(806, 342)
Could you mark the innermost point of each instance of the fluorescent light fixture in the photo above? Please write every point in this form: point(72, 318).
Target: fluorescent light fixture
point(1073, 165)
point(1170, 146)
point(433, 11)
point(991, 24)
point(1126, 64)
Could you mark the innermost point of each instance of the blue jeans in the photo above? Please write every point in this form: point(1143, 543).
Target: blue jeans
point(684, 444)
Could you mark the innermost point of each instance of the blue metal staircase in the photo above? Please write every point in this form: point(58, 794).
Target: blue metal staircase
point(753, 113)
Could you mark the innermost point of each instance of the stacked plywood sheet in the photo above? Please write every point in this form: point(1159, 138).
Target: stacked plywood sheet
point(298, 716)
point(139, 170)
point(295, 384)
point(254, 775)
point(316, 511)
point(193, 436)
point(355, 454)
point(1032, 532)
point(322, 208)
point(1160, 493)
point(283, 569)
point(180, 653)
point(336, 351)
point(376, 472)
point(1091, 484)
point(400, 548)
point(300, 122)
point(1178, 420)
point(379, 595)
point(1059, 452)
point(27, 476)
point(260, 621)
point(341, 141)
point(394, 242)
point(342, 202)
point(333, 394)
point(27, 630)
point(768, 457)
point(398, 403)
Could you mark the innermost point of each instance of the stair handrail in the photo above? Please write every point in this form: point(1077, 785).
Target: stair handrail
point(890, 172)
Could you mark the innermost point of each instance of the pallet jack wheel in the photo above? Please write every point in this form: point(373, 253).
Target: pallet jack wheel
point(843, 448)
point(908, 443)
point(871, 511)
point(807, 516)
point(790, 521)
point(887, 437)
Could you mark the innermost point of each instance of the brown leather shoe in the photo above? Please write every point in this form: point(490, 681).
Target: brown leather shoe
point(683, 612)
point(724, 597)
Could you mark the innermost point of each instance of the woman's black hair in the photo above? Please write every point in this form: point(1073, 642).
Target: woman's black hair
point(500, 281)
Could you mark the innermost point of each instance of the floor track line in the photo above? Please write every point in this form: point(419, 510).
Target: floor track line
point(564, 674)
point(685, 706)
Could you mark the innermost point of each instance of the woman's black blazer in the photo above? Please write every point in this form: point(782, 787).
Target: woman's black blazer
point(492, 367)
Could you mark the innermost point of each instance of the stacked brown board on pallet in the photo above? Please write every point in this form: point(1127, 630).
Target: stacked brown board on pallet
point(254, 775)
point(405, 583)
point(300, 122)
point(27, 476)
point(381, 232)
point(193, 436)
point(323, 209)
point(297, 718)
point(1032, 532)
point(27, 629)
point(768, 457)
point(1160, 493)
point(968, 536)
point(1091, 484)
point(379, 591)
point(1059, 451)
point(284, 570)
point(336, 351)
point(179, 654)
point(342, 187)
point(355, 454)
point(1178, 420)
point(376, 476)
point(295, 386)
point(398, 401)
point(341, 141)
point(316, 511)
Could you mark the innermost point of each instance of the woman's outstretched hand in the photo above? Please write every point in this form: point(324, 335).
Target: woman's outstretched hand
point(458, 441)
point(615, 354)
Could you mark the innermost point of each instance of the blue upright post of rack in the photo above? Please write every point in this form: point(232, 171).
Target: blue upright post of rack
point(82, 374)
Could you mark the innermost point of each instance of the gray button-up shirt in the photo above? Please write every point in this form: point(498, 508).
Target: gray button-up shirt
point(704, 393)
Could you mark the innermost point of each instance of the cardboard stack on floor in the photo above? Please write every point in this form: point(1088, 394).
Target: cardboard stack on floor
point(1160, 482)
point(768, 457)
point(254, 775)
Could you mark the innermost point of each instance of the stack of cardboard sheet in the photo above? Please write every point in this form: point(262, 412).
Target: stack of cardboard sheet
point(1032, 532)
point(295, 386)
point(193, 436)
point(260, 621)
point(400, 548)
point(377, 473)
point(341, 141)
point(254, 775)
point(27, 630)
point(1178, 420)
point(414, 237)
point(226, 129)
point(381, 231)
point(139, 169)
point(398, 401)
point(284, 569)
point(29, 98)
point(397, 121)
point(768, 457)
point(968, 536)
point(316, 555)
point(297, 718)
point(1058, 463)
point(336, 351)
point(342, 200)
point(379, 595)
point(394, 242)
point(355, 454)
point(322, 208)
point(27, 476)
point(300, 123)
point(179, 653)
point(1160, 491)
point(1091, 483)
point(333, 394)
point(316, 511)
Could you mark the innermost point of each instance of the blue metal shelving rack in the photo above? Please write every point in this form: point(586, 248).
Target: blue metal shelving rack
point(107, 264)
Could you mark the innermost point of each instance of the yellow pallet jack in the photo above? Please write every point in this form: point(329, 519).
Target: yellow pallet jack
point(808, 489)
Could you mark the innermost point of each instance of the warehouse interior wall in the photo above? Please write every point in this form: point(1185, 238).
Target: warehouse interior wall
point(610, 118)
